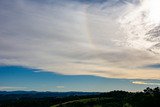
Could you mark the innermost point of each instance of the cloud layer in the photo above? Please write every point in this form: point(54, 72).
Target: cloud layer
point(74, 38)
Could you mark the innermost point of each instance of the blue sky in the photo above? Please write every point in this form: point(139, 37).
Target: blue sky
point(79, 45)
point(21, 78)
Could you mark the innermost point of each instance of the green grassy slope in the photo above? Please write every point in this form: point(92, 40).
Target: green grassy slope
point(90, 102)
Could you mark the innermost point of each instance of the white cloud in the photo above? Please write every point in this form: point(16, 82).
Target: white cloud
point(60, 87)
point(11, 88)
point(141, 23)
point(72, 38)
point(145, 83)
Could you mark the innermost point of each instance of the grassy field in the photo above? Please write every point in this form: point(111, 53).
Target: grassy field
point(89, 102)
point(75, 101)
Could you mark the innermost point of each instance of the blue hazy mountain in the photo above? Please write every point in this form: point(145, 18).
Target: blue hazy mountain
point(35, 94)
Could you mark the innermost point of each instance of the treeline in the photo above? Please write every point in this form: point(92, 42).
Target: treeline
point(148, 98)
point(27, 100)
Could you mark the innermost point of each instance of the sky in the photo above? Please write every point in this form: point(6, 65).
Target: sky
point(79, 45)
point(15, 78)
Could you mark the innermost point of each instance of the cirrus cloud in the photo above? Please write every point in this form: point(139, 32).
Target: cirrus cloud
point(73, 38)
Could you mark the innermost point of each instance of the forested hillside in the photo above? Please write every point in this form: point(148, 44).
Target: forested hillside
point(148, 98)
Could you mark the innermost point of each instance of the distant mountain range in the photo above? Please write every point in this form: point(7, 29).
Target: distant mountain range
point(34, 94)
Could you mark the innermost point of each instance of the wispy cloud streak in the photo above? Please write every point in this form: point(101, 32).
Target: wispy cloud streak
point(145, 83)
point(11, 88)
point(73, 37)
point(60, 87)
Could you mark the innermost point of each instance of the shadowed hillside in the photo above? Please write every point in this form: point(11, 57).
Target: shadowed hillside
point(148, 98)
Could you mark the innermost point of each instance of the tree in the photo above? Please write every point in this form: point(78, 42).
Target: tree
point(156, 90)
point(148, 90)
